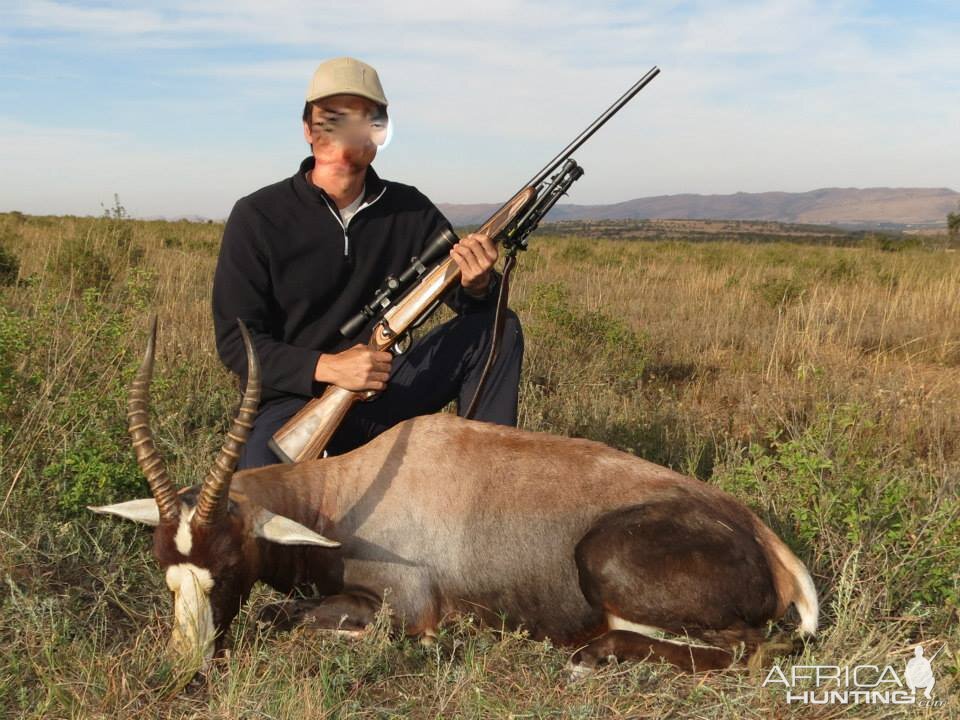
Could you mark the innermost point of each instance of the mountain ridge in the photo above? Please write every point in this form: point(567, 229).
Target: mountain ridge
point(850, 207)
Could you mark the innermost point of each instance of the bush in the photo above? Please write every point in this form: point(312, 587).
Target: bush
point(846, 497)
point(839, 271)
point(953, 225)
point(92, 472)
point(779, 292)
point(99, 252)
point(9, 266)
point(83, 266)
point(590, 336)
point(14, 341)
point(889, 243)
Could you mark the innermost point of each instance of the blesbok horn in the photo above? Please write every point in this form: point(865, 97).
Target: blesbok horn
point(138, 425)
point(212, 505)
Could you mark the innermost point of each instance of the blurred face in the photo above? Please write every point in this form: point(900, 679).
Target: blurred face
point(344, 133)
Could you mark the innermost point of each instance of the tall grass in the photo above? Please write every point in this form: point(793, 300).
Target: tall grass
point(817, 383)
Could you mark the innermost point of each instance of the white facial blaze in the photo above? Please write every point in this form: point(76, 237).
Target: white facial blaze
point(193, 630)
point(184, 537)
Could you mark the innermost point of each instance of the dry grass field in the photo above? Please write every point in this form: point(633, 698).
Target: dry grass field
point(818, 381)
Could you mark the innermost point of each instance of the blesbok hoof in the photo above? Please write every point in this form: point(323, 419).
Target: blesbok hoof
point(196, 684)
point(428, 638)
point(577, 672)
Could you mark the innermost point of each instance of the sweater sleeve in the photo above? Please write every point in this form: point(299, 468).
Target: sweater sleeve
point(242, 290)
point(458, 299)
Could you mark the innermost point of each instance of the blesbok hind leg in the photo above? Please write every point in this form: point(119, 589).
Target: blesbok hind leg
point(677, 566)
point(628, 645)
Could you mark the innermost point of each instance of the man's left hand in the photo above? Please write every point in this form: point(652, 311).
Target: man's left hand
point(475, 255)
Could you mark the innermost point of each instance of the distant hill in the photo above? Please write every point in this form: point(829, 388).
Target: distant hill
point(847, 207)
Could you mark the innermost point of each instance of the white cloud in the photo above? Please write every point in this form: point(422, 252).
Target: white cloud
point(785, 95)
point(50, 15)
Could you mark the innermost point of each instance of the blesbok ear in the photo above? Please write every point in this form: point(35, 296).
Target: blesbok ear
point(142, 511)
point(283, 530)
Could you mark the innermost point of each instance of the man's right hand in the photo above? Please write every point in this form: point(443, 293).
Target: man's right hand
point(358, 368)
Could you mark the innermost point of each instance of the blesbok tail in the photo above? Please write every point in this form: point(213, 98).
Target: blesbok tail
point(791, 579)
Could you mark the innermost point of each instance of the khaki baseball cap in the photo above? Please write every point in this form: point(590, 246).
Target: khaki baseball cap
point(348, 76)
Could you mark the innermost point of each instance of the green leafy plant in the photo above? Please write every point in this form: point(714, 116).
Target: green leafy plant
point(590, 335)
point(9, 264)
point(92, 473)
point(779, 292)
point(953, 225)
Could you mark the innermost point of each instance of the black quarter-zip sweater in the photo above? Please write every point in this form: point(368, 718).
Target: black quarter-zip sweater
point(294, 275)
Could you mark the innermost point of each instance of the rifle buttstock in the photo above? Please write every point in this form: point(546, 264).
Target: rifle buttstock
point(306, 434)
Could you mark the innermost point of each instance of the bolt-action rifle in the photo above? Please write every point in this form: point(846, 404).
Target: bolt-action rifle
point(405, 301)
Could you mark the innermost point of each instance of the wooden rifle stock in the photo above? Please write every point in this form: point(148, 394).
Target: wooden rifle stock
point(306, 434)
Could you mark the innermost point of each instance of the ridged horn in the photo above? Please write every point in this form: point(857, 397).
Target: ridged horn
point(138, 425)
point(212, 505)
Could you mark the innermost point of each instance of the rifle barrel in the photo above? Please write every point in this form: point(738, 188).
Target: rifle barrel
point(594, 126)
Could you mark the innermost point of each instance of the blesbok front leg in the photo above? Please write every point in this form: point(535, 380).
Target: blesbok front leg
point(348, 613)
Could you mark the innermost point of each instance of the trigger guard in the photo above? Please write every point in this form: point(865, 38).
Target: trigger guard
point(402, 345)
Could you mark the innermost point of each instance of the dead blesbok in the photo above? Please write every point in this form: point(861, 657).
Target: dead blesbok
point(570, 539)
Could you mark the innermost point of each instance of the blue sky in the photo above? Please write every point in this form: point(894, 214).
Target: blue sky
point(181, 107)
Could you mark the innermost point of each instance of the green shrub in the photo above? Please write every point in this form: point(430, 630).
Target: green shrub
point(779, 292)
point(953, 225)
point(14, 342)
point(842, 492)
point(83, 267)
point(62, 420)
point(9, 264)
point(590, 336)
point(890, 243)
point(93, 474)
point(99, 252)
point(577, 251)
point(840, 270)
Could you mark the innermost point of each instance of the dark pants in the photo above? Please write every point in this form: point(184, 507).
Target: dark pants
point(445, 364)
